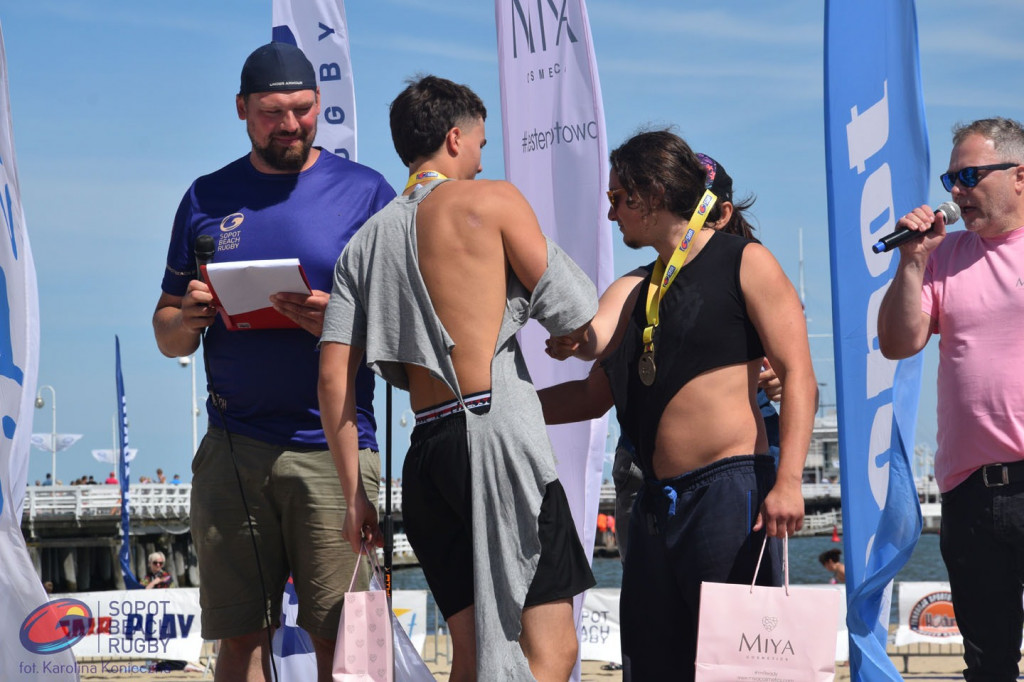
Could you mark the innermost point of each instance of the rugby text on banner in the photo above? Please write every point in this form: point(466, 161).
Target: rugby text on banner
point(319, 29)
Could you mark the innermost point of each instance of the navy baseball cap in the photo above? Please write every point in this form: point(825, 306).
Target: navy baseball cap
point(277, 66)
point(717, 180)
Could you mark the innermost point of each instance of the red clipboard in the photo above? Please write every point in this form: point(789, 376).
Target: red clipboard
point(241, 291)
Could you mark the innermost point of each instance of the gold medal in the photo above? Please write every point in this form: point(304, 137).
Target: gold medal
point(646, 368)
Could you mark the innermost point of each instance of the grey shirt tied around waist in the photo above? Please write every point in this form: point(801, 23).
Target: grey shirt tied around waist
point(380, 303)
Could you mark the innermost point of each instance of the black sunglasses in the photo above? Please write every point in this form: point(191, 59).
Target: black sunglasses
point(968, 177)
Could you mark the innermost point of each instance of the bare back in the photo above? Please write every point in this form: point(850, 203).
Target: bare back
point(464, 259)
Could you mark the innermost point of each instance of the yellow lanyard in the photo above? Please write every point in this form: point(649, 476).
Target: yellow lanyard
point(417, 178)
point(667, 275)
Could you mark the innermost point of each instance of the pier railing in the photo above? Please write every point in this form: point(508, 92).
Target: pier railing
point(153, 501)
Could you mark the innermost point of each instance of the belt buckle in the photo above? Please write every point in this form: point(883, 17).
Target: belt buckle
point(999, 483)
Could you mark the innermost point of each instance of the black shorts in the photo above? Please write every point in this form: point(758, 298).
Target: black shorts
point(437, 513)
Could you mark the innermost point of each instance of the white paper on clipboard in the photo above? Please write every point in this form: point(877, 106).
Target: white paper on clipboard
point(245, 286)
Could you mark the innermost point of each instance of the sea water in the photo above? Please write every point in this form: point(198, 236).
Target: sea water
point(925, 564)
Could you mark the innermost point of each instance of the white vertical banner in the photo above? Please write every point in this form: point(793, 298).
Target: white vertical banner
point(27, 651)
point(319, 29)
point(556, 153)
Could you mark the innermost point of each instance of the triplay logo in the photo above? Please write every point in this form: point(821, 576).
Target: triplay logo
point(49, 628)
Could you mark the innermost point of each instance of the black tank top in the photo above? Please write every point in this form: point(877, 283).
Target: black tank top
point(703, 312)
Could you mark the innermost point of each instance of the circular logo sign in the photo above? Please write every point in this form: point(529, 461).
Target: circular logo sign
point(933, 615)
point(55, 626)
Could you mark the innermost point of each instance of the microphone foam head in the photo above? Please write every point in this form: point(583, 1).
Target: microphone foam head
point(205, 248)
point(950, 211)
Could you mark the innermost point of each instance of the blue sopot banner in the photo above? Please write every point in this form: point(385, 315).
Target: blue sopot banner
point(877, 166)
point(124, 475)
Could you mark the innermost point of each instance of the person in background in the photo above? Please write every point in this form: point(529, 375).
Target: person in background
point(830, 560)
point(156, 577)
point(160, 477)
point(967, 287)
point(284, 199)
point(111, 479)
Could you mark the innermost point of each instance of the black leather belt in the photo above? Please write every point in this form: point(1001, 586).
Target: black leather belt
point(996, 475)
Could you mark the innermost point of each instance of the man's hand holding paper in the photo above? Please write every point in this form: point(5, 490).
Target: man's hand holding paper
point(265, 294)
point(305, 311)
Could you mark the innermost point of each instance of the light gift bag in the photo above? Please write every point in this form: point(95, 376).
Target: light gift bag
point(364, 651)
point(757, 633)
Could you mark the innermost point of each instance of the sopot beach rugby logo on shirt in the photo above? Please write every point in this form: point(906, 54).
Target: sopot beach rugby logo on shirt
point(55, 626)
point(230, 236)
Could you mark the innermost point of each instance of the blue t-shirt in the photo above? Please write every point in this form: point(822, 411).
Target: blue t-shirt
point(266, 380)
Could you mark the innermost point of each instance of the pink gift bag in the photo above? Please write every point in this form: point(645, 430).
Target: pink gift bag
point(752, 633)
point(364, 651)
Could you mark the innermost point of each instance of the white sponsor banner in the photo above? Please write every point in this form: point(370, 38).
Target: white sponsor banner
point(599, 626)
point(293, 649)
point(557, 155)
point(319, 29)
point(150, 624)
point(19, 363)
point(410, 606)
point(926, 614)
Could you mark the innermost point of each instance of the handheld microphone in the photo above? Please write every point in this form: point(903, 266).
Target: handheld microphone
point(949, 211)
point(205, 248)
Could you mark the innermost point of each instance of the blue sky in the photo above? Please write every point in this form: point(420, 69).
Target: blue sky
point(117, 107)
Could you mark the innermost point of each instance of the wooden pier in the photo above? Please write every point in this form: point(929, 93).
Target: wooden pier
point(73, 532)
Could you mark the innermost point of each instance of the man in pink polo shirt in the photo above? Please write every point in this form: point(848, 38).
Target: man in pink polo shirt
point(968, 286)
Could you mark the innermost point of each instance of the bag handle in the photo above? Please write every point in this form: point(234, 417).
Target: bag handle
point(785, 561)
point(371, 557)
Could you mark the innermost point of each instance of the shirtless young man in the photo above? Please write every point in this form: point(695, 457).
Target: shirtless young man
point(432, 291)
point(683, 373)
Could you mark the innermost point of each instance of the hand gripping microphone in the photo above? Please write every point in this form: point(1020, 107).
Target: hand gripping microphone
point(205, 248)
point(949, 211)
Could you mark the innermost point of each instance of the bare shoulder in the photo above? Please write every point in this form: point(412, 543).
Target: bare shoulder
point(493, 195)
point(758, 262)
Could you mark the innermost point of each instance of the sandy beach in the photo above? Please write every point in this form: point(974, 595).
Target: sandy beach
point(916, 664)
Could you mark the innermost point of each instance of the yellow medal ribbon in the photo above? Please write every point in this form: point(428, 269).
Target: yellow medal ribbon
point(667, 274)
point(417, 178)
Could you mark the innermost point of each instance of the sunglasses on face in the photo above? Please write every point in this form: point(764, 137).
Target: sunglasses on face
point(157, 563)
point(969, 177)
point(612, 196)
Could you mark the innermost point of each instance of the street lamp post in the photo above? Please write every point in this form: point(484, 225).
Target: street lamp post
point(40, 403)
point(190, 362)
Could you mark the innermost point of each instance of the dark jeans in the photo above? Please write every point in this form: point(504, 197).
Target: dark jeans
point(684, 531)
point(982, 543)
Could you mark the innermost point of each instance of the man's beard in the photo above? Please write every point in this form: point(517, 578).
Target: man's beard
point(289, 159)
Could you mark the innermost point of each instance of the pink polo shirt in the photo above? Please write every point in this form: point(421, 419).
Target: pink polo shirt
point(974, 293)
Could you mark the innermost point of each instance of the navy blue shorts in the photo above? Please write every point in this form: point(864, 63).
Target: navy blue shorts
point(684, 531)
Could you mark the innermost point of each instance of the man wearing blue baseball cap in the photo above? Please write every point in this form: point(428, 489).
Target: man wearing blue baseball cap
point(266, 500)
